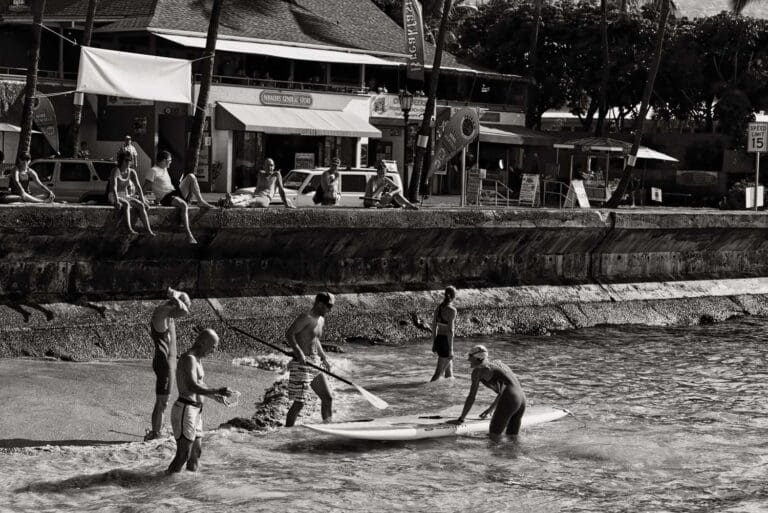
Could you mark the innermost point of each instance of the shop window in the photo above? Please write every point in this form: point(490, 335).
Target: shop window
point(74, 172)
point(353, 183)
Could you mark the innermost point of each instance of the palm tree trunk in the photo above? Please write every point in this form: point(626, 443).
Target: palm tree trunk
point(424, 131)
point(77, 116)
point(198, 124)
point(531, 112)
point(613, 202)
point(25, 137)
point(605, 73)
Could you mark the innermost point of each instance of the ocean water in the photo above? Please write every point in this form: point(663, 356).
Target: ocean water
point(664, 420)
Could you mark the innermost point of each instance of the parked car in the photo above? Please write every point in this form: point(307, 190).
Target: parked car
point(71, 179)
point(301, 184)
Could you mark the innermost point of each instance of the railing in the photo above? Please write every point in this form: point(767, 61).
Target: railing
point(494, 193)
point(285, 84)
point(552, 191)
point(46, 75)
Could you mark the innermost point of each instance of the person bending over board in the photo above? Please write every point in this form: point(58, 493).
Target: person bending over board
point(187, 411)
point(443, 327)
point(509, 404)
point(304, 338)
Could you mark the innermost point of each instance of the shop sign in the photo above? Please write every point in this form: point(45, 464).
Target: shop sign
point(45, 118)
point(117, 101)
point(286, 99)
point(387, 105)
point(304, 161)
point(461, 129)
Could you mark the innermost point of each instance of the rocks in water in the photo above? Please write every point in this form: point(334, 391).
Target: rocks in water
point(369, 341)
point(332, 348)
point(419, 323)
point(270, 414)
point(707, 319)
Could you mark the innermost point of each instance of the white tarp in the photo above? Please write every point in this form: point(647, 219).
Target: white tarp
point(134, 75)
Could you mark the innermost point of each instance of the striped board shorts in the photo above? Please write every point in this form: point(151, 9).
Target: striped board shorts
point(299, 379)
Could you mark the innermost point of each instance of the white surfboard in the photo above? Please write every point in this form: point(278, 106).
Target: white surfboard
point(415, 427)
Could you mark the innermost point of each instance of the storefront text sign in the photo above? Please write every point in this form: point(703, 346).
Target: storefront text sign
point(388, 106)
point(414, 38)
point(460, 130)
point(284, 99)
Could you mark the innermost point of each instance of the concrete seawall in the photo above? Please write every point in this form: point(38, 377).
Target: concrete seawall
point(73, 282)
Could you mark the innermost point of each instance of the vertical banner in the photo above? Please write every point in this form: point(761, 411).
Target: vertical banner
point(413, 25)
point(45, 119)
point(460, 130)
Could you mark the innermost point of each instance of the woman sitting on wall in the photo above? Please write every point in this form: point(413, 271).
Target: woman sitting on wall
point(19, 180)
point(124, 192)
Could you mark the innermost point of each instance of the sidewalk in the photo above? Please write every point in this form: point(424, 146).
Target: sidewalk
point(453, 201)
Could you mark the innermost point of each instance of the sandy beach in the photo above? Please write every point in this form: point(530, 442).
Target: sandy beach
point(110, 401)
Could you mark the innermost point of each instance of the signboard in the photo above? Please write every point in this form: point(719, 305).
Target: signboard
point(117, 101)
point(286, 99)
point(656, 194)
point(304, 161)
point(757, 137)
point(45, 119)
point(750, 197)
point(474, 186)
point(387, 106)
point(461, 129)
point(577, 194)
point(529, 190)
point(695, 178)
point(414, 38)
point(204, 160)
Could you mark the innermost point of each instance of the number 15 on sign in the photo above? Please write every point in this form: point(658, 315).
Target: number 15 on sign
point(757, 137)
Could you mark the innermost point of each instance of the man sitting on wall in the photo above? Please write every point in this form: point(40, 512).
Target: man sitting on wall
point(268, 182)
point(382, 191)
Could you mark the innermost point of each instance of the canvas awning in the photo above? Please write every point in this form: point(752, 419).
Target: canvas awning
point(520, 136)
point(278, 50)
point(292, 121)
point(605, 144)
point(134, 75)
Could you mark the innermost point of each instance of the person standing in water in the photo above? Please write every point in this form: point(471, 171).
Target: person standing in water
point(508, 407)
point(162, 329)
point(304, 338)
point(187, 411)
point(443, 329)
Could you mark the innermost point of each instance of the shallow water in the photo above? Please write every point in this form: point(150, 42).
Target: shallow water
point(664, 420)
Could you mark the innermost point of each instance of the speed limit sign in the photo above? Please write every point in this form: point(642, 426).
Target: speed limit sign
point(757, 137)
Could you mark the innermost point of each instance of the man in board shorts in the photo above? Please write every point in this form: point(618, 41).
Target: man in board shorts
point(304, 338)
point(162, 329)
point(187, 411)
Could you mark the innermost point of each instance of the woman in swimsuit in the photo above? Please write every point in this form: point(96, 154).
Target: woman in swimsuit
point(123, 190)
point(19, 181)
point(509, 404)
point(443, 327)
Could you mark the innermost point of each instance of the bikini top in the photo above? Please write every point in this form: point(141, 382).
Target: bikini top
point(440, 319)
point(165, 341)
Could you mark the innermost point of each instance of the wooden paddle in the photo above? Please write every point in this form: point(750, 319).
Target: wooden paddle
point(376, 402)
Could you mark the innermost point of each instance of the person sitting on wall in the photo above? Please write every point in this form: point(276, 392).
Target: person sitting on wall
point(267, 181)
point(381, 191)
point(167, 194)
point(124, 192)
point(328, 193)
point(18, 184)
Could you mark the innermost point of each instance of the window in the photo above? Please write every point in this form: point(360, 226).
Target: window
point(353, 183)
point(75, 172)
point(294, 180)
point(312, 186)
point(44, 170)
point(104, 169)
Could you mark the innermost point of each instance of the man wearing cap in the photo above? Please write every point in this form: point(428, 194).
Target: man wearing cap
point(509, 404)
point(162, 330)
point(128, 148)
point(304, 338)
point(329, 184)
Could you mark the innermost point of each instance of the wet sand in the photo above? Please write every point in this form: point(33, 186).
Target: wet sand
point(63, 403)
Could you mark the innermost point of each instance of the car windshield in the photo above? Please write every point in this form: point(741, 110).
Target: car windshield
point(294, 179)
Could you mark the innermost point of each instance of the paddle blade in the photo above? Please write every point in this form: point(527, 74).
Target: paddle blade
point(376, 401)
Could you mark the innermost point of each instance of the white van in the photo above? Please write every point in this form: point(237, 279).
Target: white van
point(301, 184)
point(73, 180)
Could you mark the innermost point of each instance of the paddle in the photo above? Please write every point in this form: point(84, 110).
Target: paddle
point(376, 402)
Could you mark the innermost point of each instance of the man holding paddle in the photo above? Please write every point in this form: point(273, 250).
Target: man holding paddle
point(304, 338)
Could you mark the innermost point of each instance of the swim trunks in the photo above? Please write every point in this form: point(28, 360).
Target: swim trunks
point(165, 369)
point(187, 419)
point(167, 200)
point(442, 346)
point(300, 378)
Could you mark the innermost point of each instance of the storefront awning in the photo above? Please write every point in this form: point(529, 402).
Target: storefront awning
point(520, 136)
point(292, 121)
point(282, 51)
point(604, 144)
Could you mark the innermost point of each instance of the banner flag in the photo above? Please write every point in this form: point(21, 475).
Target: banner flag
point(45, 118)
point(413, 25)
point(134, 75)
point(461, 129)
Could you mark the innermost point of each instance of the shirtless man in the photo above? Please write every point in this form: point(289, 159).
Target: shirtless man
point(304, 338)
point(187, 411)
point(383, 190)
point(162, 329)
point(269, 182)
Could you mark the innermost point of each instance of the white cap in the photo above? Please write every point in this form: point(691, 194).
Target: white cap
point(479, 351)
point(182, 298)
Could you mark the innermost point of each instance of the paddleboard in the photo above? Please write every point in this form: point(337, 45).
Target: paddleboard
point(416, 427)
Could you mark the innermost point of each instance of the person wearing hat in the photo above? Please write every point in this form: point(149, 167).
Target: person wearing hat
point(508, 407)
point(443, 328)
point(162, 330)
point(329, 192)
point(303, 380)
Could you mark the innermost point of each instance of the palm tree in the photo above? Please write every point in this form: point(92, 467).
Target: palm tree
point(626, 176)
point(198, 124)
point(739, 5)
point(424, 131)
point(532, 90)
point(25, 137)
point(605, 72)
point(77, 115)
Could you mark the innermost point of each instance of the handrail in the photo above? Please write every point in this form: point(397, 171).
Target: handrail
point(547, 191)
point(500, 192)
